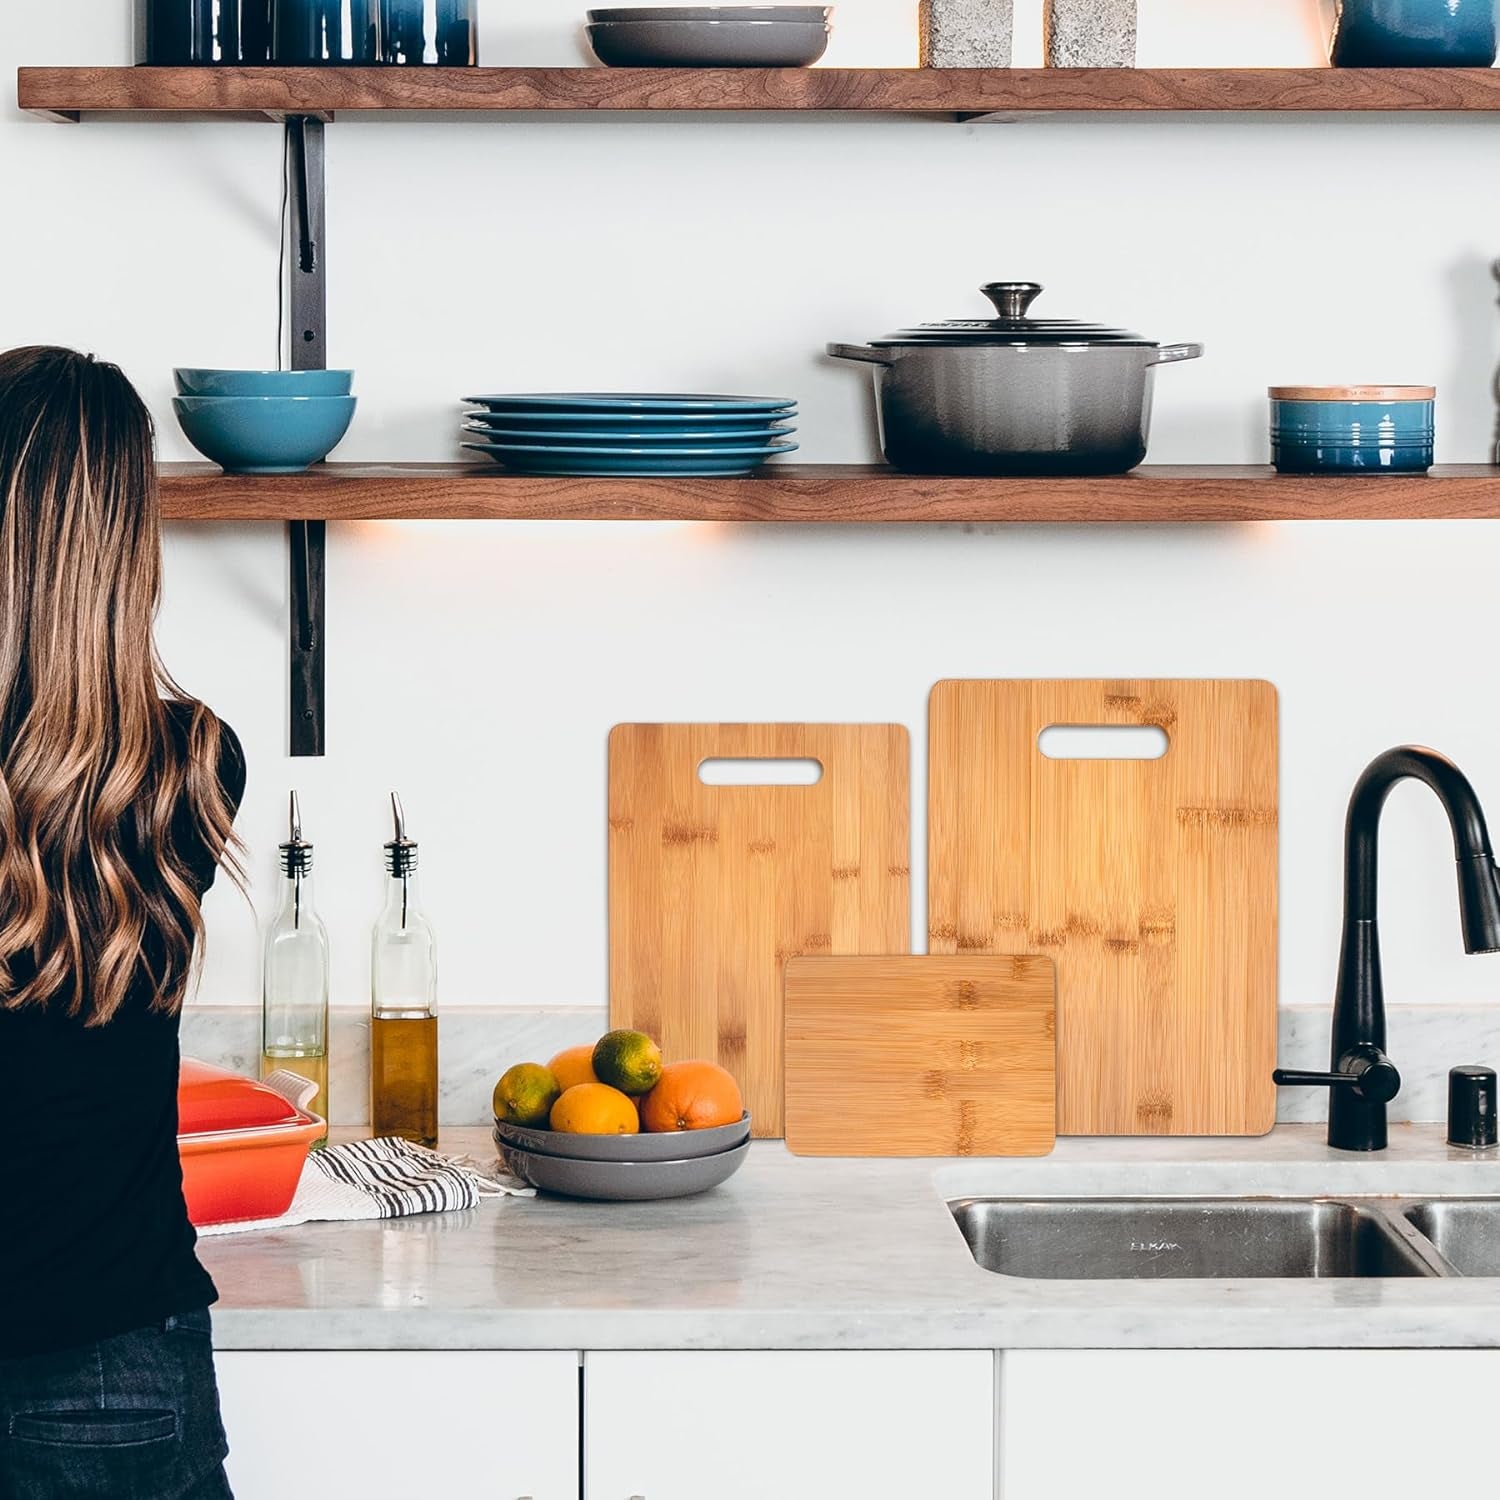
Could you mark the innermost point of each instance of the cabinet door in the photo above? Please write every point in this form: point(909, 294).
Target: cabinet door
point(403, 1425)
point(1242, 1424)
point(789, 1426)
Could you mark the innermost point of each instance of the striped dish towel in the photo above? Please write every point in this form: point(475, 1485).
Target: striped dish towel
point(382, 1179)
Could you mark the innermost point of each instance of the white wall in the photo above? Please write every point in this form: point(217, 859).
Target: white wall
point(479, 667)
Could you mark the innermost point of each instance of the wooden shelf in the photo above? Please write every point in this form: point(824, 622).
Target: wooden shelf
point(827, 494)
point(275, 93)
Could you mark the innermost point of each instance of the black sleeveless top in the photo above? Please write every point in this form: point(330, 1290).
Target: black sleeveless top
point(94, 1234)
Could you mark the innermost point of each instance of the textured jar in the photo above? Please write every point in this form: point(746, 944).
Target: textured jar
point(439, 33)
point(1352, 429)
point(965, 33)
point(198, 33)
point(1414, 34)
point(310, 32)
point(1090, 33)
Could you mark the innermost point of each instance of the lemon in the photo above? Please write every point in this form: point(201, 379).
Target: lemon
point(525, 1095)
point(628, 1060)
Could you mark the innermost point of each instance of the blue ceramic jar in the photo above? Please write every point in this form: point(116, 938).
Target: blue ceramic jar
point(195, 33)
point(1414, 34)
point(310, 32)
point(440, 33)
point(1352, 429)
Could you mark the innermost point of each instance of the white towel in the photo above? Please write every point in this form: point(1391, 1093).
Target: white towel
point(383, 1179)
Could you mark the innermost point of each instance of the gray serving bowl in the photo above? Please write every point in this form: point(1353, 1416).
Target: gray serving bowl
point(667, 1145)
point(818, 14)
point(709, 44)
point(624, 1181)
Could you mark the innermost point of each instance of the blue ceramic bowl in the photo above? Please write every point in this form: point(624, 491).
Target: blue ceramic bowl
point(1352, 429)
point(264, 434)
point(264, 382)
point(1414, 34)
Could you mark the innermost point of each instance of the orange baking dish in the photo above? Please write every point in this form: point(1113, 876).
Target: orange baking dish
point(243, 1145)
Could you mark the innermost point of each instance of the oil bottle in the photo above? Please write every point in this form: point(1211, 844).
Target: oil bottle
point(403, 1002)
point(294, 974)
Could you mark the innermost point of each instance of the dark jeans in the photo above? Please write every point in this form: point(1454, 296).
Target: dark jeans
point(130, 1418)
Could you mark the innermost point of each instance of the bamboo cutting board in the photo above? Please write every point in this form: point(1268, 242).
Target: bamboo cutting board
point(713, 888)
point(1152, 883)
point(920, 1056)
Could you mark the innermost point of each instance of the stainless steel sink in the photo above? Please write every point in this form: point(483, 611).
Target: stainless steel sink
point(1104, 1239)
point(1466, 1232)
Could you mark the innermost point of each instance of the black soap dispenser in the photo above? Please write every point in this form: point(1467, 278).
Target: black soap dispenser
point(1471, 1107)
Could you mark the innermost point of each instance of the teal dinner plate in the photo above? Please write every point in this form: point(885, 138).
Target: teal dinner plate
point(638, 421)
point(629, 401)
point(644, 466)
point(625, 437)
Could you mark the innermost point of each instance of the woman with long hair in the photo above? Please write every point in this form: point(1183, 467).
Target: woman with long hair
point(117, 798)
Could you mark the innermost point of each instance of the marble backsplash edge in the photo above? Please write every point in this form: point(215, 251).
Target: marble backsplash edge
point(477, 1043)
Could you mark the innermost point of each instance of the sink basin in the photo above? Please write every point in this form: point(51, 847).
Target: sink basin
point(1466, 1232)
point(1106, 1239)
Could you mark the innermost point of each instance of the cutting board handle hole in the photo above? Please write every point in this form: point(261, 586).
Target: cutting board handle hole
point(750, 771)
point(1103, 742)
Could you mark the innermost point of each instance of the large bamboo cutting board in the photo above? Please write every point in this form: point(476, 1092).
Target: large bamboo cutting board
point(713, 888)
point(1152, 883)
point(920, 1056)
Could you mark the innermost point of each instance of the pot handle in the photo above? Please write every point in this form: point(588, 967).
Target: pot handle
point(1170, 354)
point(862, 352)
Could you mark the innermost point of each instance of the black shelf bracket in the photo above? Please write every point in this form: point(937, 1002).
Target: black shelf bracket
point(306, 309)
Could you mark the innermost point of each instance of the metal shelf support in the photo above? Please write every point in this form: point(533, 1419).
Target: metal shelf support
point(306, 306)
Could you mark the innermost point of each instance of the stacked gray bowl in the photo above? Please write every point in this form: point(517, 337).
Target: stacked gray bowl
point(710, 36)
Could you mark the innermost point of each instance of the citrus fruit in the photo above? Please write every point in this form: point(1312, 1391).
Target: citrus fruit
point(573, 1065)
point(627, 1060)
point(692, 1096)
point(595, 1109)
point(525, 1094)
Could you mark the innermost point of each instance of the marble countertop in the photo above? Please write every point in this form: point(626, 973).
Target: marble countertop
point(797, 1253)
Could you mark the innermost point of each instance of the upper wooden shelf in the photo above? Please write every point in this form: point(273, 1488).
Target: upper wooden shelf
point(275, 93)
point(826, 494)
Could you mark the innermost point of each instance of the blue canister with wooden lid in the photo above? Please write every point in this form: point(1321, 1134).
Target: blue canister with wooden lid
point(1352, 429)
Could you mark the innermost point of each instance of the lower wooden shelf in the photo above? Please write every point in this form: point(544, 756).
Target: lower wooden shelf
point(828, 494)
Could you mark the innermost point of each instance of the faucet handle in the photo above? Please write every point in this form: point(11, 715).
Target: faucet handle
point(1367, 1071)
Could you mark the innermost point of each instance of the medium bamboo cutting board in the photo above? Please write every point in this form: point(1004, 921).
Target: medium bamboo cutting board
point(713, 888)
point(1152, 883)
point(920, 1056)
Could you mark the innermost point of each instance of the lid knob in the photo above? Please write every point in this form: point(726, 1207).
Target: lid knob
point(1471, 1107)
point(1012, 299)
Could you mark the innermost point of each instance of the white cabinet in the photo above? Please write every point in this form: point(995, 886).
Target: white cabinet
point(789, 1426)
point(1241, 1424)
point(401, 1425)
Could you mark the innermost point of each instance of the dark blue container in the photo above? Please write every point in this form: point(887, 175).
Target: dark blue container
point(439, 33)
point(1352, 429)
point(311, 32)
point(198, 33)
point(1414, 34)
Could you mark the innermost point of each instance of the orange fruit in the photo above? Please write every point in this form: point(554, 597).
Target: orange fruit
point(692, 1096)
point(595, 1109)
point(573, 1065)
point(627, 1060)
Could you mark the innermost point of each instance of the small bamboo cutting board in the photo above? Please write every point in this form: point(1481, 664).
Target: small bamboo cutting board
point(920, 1056)
point(713, 888)
point(1152, 883)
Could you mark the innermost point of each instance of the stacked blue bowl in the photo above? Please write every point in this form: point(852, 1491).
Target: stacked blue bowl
point(640, 435)
point(264, 421)
point(1352, 429)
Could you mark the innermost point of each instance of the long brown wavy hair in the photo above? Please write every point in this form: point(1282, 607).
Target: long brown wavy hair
point(95, 895)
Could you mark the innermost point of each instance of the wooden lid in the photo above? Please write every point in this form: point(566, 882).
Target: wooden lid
point(1353, 392)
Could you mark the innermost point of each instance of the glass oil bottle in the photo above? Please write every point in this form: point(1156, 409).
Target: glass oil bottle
point(294, 974)
point(403, 1002)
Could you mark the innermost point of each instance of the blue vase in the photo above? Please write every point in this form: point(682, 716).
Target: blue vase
point(1414, 34)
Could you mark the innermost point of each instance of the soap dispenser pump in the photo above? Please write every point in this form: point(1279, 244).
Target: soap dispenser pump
point(403, 1002)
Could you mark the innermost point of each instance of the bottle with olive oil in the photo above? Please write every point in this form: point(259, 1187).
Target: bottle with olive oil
point(294, 974)
point(403, 1002)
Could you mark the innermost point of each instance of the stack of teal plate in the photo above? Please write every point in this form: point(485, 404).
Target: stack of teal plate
point(630, 434)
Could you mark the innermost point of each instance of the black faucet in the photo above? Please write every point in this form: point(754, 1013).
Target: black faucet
point(1362, 1080)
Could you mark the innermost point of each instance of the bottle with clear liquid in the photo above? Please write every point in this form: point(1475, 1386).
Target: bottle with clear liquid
point(403, 1002)
point(294, 974)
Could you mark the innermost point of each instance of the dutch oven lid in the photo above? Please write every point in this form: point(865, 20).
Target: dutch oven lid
point(1012, 300)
